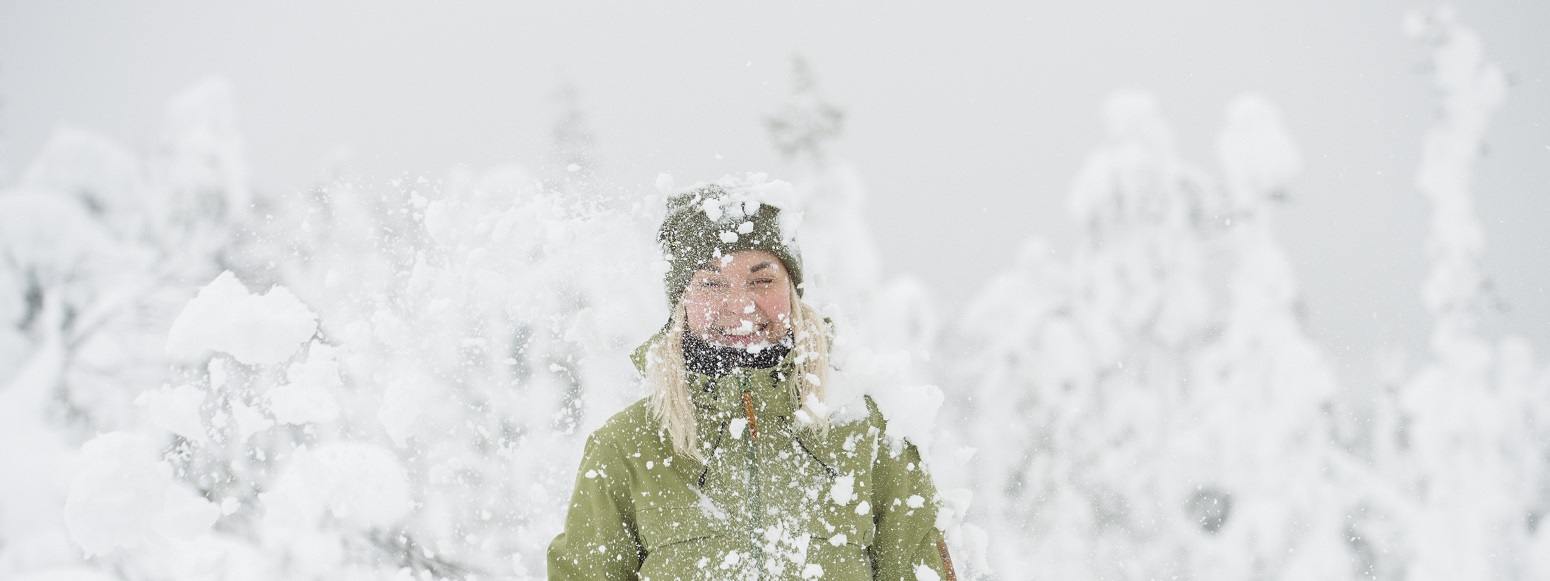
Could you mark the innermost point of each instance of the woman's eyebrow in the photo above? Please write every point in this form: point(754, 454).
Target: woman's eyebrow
point(761, 266)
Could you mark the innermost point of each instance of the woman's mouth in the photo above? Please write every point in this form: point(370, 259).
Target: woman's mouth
point(743, 334)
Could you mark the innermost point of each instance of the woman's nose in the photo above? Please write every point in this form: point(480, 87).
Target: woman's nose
point(738, 303)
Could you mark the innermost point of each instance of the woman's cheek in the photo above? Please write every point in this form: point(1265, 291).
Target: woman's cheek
point(699, 315)
point(776, 309)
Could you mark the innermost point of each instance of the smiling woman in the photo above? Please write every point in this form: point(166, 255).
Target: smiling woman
point(736, 466)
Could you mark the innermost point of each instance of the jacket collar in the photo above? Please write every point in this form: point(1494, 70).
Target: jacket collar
point(769, 388)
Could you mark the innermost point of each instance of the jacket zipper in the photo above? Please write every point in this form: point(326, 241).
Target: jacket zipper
point(754, 501)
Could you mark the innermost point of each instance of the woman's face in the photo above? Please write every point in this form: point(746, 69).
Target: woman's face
point(740, 299)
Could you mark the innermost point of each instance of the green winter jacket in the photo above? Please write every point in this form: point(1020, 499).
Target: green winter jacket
point(772, 502)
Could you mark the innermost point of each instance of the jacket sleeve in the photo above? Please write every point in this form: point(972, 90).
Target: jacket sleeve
point(599, 541)
point(904, 511)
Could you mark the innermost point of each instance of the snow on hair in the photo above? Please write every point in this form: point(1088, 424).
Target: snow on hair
point(667, 375)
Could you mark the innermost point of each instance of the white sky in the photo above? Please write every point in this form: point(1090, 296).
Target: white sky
point(967, 121)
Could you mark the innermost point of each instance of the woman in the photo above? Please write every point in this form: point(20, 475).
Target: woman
point(734, 467)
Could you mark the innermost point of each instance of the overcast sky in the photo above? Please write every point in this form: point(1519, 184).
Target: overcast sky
point(967, 120)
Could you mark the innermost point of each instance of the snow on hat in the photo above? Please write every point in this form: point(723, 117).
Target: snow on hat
point(711, 221)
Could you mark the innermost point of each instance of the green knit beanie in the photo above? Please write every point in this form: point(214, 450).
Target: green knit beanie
point(709, 222)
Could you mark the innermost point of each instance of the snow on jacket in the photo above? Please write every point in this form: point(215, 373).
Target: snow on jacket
point(773, 501)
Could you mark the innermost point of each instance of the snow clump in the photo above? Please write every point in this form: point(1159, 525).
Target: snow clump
point(125, 495)
point(746, 194)
point(404, 401)
point(255, 329)
point(360, 485)
point(306, 397)
point(844, 490)
point(910, 408)
point(175, 409)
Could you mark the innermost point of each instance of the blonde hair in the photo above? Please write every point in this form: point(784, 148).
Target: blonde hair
point(668, 375)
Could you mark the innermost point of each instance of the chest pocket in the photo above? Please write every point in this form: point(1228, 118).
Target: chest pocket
point(665, 526)
point(834, 520)
point(828, 519)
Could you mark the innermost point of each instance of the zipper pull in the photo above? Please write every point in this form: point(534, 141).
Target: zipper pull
point(753, 424)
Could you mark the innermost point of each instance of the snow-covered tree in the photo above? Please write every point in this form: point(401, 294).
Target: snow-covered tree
point(462, 342)
point(1141, 302)
point(411, 397)
point(93, 266)
point(1257, 441)
point(204, 191)
point(1013, 403)
point(574, 141)
point(1463, 437)
point(1156, 405)
point(1078, 371)
point(805, 124)
point(52, 261)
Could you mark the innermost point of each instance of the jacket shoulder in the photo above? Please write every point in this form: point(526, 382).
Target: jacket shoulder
point(874, 414)
point(875, 419)
point(627, 428)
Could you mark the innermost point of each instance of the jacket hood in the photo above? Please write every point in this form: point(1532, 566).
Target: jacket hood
point(638, 357)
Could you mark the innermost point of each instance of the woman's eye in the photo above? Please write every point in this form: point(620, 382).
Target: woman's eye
point(763, 281)
point(710, 283)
